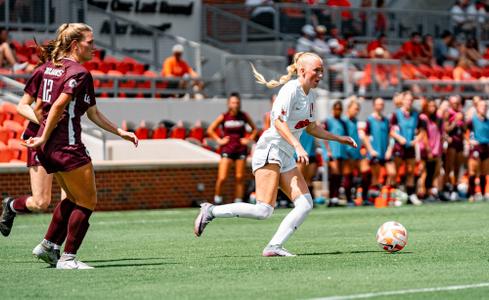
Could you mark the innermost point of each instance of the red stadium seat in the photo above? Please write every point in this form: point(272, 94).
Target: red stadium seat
point(4, 135)
point(17, 150)
point(5, 153)
point(160, 132)
point(142, 133)
point(178, 131)
point(15, 129)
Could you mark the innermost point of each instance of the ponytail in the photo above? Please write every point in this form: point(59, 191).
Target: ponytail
point(291, 70)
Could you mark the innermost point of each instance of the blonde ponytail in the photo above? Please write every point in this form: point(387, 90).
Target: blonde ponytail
point(291, 71)
point(65, 35)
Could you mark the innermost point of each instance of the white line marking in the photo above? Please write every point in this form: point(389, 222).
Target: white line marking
point(403, 292)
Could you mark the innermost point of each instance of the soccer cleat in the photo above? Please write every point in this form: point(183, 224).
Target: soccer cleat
point(46, 253)
point(276, 250)
point(414, 200)
point(333, 202)
point(204, 218)
point(68, 262)
point(7, 218)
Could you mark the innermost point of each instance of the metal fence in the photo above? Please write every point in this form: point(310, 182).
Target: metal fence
point(362, 22)
point(40, 15)
point(142, 42)
point(365, 77)
point(238, 75)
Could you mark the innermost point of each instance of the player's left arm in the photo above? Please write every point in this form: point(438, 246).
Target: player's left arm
point(97, 117)
point(320, 133)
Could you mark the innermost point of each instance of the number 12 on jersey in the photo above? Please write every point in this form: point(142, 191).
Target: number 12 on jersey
point(47, 89)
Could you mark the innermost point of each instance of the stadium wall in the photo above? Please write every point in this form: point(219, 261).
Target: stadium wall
point(130, 186)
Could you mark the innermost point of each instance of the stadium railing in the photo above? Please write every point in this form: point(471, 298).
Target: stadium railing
point(159, 40)
point(127, 85)
point(227, 30)
point(290, 17)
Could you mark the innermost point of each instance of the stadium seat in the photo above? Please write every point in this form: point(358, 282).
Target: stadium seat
point(178, 131)
point(5, 153)
point(160, 132)
point(143, 132)
point(17, 150)
point(14, 128)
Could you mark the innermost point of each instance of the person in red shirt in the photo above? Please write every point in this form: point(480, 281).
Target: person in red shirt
point(380, 42)
point(412, 50)
point(174, 66)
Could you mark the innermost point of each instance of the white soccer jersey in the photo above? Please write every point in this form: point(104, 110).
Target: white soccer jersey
point(294, 107)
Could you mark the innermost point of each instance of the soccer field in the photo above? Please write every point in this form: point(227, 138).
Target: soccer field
point(154, 255)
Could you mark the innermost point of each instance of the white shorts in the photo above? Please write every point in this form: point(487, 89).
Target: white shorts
point(272, 155)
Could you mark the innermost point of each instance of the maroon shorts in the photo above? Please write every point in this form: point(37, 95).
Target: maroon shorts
point(63, 158)
point(32, 160)
point(404, 152)
point(480, 151)
point(457, 145)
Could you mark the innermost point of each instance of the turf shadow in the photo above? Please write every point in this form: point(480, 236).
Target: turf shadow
point(351, 252)
point(135, 265)
point(122, 259)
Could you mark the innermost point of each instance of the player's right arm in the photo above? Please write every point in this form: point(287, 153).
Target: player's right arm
point(211, 131)
point(284, 131)
point(366, 141)
point(24, 108)
point(52, 120)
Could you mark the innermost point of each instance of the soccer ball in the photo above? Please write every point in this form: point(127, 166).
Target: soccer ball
point(392, 236)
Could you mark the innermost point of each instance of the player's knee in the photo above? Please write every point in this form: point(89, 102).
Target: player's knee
point(40, 203)
point(263, 211)
point(239, 178)
point(305, 203)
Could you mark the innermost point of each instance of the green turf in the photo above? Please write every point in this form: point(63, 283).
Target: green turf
point(154, 255)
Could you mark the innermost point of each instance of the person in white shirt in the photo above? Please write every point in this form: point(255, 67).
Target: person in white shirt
point(306, 42)
point(320, 46)
point(273, 161)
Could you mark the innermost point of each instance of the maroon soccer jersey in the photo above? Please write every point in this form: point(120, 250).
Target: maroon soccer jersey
point(70, 78)
point(234, 127)
point(32, 88)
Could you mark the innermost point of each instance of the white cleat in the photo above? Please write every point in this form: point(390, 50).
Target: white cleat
point(45, 253)
point(276, 250)
point(204, 218)
point(71, 264)
point(414, 200)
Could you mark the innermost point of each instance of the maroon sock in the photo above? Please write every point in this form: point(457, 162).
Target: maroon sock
point(347, 184)
point(366, 180)
point(482, 184)
point(471, 185)
point(19, 205)
point(61, 215)
point(77, 228)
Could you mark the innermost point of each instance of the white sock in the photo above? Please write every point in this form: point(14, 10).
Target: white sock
point(238, 200)
point(217, 199)
point(259, 211)
point(303, 205)
point(56, 247)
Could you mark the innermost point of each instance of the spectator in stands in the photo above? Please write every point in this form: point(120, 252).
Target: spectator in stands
point(335, 42)
point(306, 42)
point(472, 53)
point(320, 46)
point(427, 49)
point(412, 50)
point(261, 12)
point(463, 17)
point(7, 55)
point(346, 15)
point(383, 75)
point(461, 71)
point(442, 53)
point(174, 66)
point(380, 42)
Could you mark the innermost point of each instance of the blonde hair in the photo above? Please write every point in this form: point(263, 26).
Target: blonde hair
point(291, 70)
point(65, 35)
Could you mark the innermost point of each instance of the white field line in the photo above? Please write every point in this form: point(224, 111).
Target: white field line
point(404, 292)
